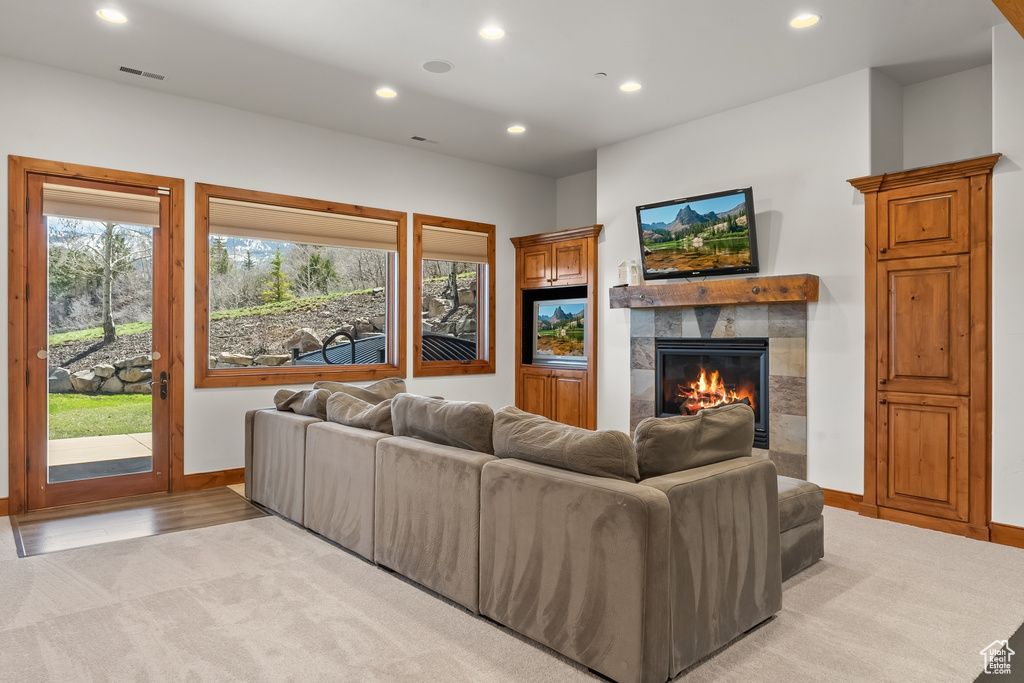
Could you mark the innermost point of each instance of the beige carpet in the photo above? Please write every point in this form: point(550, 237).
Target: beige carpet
point(262, 600)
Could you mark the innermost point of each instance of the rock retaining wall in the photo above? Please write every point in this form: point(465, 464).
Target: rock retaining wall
point(127, 376)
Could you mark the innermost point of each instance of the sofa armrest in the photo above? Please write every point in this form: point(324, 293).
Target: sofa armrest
point(250, 419)
point(726, 573)
point(579, 563)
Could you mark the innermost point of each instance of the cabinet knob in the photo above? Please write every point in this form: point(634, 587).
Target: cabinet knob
point(881, 401)
point(881, 381)
point(882, 250)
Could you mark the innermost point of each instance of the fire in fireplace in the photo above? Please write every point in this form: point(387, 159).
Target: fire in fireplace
point(703, 373)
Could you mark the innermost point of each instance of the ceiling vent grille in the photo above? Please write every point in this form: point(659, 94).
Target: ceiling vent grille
point(140, 72)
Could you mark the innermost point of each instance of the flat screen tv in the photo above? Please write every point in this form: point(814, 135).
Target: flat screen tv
point(710, 234)
point(559, 335)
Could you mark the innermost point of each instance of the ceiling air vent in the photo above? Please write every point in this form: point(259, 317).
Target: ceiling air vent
point(420, 138)
point(140, 72)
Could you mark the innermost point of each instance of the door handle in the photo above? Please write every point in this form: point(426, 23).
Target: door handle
point(163, 385)
point(881, 401)
point(881, 381)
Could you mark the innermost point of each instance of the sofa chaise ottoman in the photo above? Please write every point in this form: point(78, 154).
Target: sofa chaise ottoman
point(801, 523)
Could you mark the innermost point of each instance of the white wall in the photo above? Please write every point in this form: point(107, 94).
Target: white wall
point(886, 124)
point(63, 116)
point(796, 150)
point(948, 118)
point(576, 200)
point(1007, 250)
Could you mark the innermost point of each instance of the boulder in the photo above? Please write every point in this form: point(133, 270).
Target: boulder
point(226, 358)
point(363, 326)
point(303, 339)
point(466, 326)
point(436, 307)
point(60, 381)
point(103, 370)
point(134, 374)
point(138, 388)
point(136, 362)
point(85, 381)
point(272, 359)
point(467, 297)
point(112, 386)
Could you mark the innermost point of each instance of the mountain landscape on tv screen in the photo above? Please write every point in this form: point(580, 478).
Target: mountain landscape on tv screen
point(697, 241)
point(560, 332)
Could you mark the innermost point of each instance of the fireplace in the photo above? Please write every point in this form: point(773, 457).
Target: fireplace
point(691, 374)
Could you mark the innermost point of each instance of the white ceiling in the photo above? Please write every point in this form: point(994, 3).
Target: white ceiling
point(320, 61)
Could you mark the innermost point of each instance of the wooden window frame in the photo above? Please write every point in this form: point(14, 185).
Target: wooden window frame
point(484, 363)
point(206, 376)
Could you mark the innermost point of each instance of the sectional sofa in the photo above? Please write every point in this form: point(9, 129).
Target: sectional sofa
point(627, 557)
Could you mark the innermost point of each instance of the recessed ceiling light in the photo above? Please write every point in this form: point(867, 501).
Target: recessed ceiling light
point(492, 32)
point(805, 20)
point(112, 15)
point(630, 86)
point(386, 93)
point(517, 129)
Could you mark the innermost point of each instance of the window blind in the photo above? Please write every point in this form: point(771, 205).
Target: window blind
point(66, 201)
point(449, 244)
point(285, 224)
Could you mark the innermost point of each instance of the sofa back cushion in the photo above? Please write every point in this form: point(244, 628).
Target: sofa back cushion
point(525, 436)
point(371, 393)
point(355, 412)
point(462, 424)
point(312, 402)
point(672, 444)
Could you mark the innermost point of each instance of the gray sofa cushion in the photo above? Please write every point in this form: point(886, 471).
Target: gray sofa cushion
point(355, 412)
point(462, 424)
point(311, 402)
point(799, 502)
point(371, 393)
point(673, 444)
point(522, 435)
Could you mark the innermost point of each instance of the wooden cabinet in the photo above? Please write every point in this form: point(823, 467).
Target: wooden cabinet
point(557, 264)
point(551, 266)
point(557, 394)
point(927, 456)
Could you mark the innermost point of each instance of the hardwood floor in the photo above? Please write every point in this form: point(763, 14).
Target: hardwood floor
point(48, 531)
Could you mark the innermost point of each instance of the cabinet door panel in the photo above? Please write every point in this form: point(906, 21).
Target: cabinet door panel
point(536, 265)
point(535, 391)
point(925, 442)
point(569, 397)
point(926, 220)
point(924, 324)
point(570, 263)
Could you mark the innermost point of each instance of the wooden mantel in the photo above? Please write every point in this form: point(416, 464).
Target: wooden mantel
point(772, 289)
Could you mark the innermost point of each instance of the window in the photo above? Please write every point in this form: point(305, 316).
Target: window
point(453, 284)
point(292, 290)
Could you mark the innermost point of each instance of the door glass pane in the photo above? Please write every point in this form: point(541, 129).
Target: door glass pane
point(276, 304)
point(99, 352)
point(449, 310)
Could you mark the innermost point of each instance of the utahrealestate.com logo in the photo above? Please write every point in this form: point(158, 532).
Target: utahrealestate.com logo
point(997, 657)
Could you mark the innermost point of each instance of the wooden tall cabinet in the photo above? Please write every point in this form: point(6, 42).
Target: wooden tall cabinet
point(927, 456)
point(552, 266)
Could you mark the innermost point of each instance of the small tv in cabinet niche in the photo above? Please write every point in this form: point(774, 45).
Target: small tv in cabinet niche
point(554, 327)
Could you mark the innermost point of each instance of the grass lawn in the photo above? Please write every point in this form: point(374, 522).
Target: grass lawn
point(97, 332)
point(74, 415)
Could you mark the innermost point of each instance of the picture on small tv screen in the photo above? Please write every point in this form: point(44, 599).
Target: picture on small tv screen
point(559, 330)
point(705, 235)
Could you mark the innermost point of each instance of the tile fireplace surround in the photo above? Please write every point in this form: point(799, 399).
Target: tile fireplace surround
point(785, 326)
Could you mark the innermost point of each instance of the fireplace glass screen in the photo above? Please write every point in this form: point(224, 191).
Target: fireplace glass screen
point(703, 373)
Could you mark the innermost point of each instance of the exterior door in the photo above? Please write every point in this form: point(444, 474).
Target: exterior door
point(98, 413)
